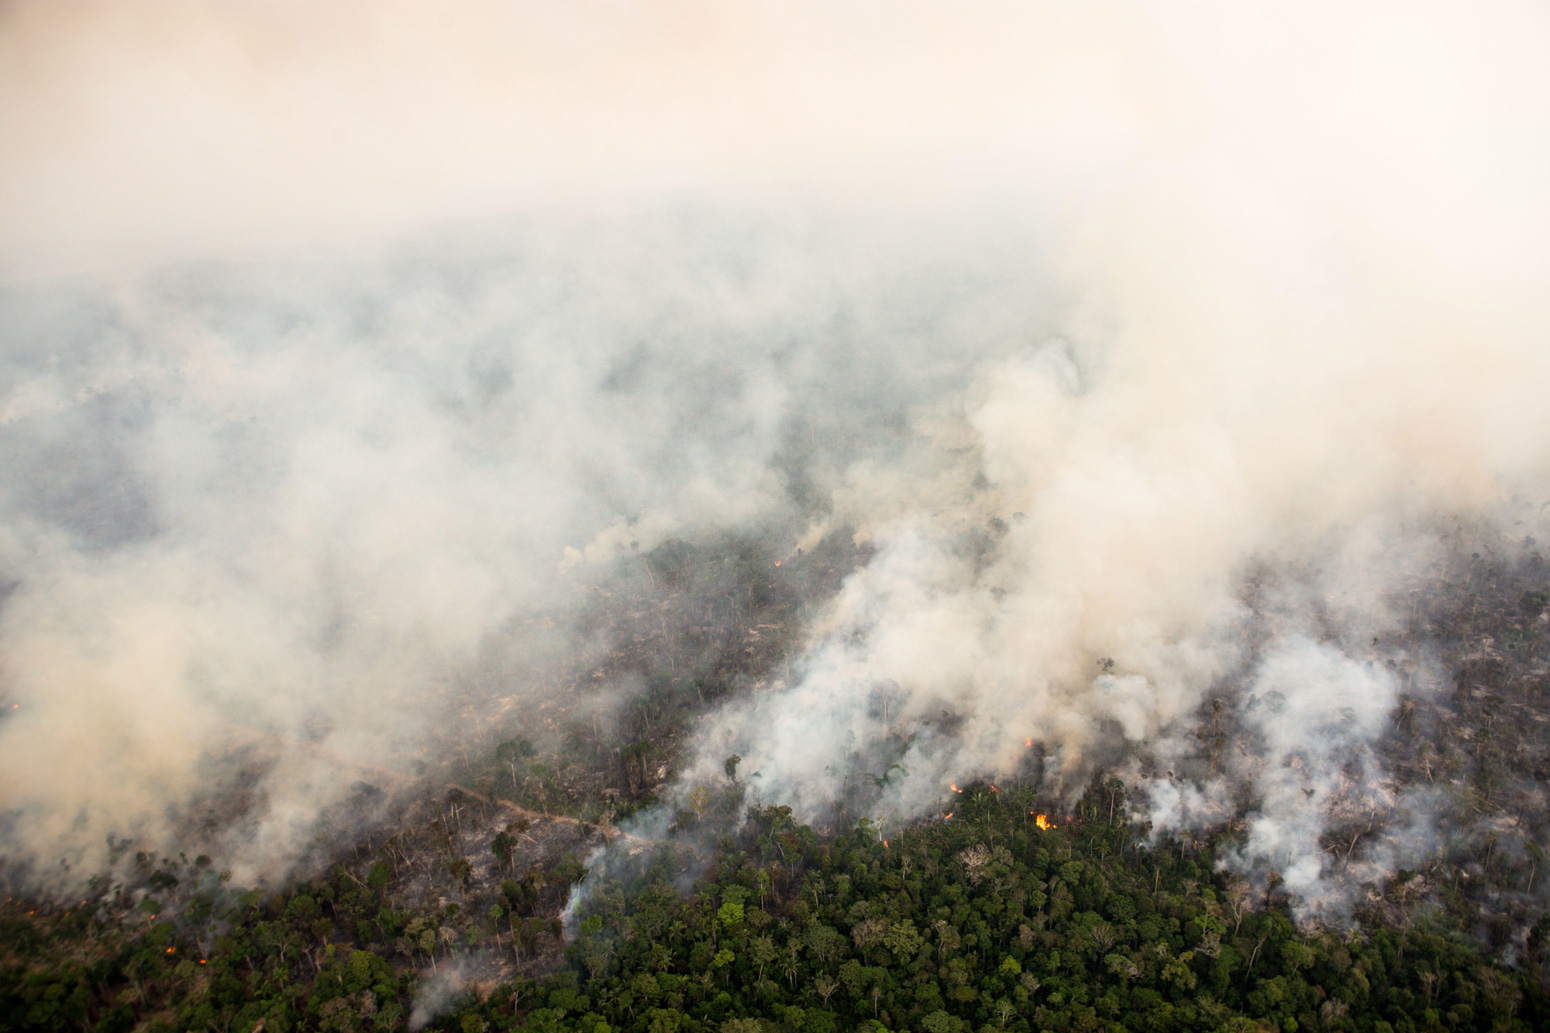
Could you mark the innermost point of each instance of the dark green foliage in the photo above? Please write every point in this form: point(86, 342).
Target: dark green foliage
point(987, 923)
point(975, 925)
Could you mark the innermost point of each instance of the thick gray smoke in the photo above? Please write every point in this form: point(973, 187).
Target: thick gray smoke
point(1087, 316)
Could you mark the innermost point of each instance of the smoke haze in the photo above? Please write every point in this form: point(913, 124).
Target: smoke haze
point(339, 346)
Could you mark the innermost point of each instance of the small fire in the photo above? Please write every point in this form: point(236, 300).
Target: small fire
point(1028, 742)
point(949, 814)
point(1043, 822)
point(777, 563)
point(201, 961)
point(993, 789)
point(171, 949)
point(885, 843)
point(954, 788)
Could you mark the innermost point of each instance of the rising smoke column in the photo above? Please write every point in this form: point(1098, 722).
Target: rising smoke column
point(1310, 332)
point(1162, 295)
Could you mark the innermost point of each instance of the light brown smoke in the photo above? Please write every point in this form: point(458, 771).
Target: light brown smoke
point(155, 132)
point(1294, 258)
point(1311, 320)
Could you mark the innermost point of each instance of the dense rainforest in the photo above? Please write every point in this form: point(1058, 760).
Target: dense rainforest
point(979, 922)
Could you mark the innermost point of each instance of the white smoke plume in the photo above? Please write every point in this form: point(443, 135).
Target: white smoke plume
point(1313, 714)
point(1310, 330)
point(340, 342)
point(258, 506)
point(438, 991)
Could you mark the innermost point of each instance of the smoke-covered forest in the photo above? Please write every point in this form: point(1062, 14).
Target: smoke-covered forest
point(720, 517)
point(516, 887)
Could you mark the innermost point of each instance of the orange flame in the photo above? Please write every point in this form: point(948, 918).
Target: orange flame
point(954, 788)
point(993, 789)
point(885, 842)
point(1044, 823)
point(949, 814)
point(1028, 741)
point(171, 949)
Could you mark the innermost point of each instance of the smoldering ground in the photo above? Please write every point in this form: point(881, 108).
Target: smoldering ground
point(1080, 319)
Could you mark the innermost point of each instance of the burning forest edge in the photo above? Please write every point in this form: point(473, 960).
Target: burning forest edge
point(453, 885)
